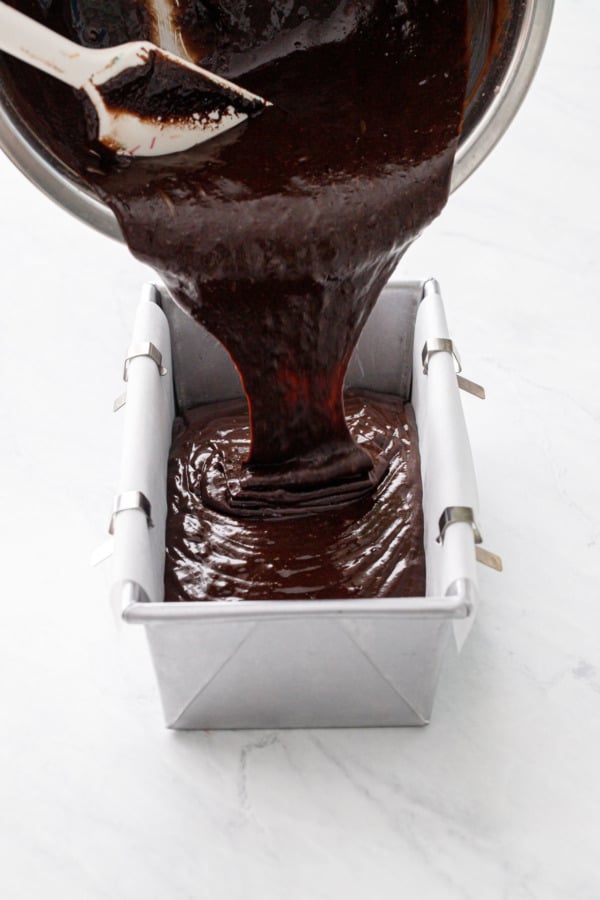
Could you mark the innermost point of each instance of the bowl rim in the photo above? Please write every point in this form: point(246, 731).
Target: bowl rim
point(500, 96)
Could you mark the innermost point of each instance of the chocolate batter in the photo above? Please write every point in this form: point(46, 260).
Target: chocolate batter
point(279, 236)
point(371, 548)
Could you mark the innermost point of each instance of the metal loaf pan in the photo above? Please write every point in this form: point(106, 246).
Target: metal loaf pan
point(274, 664)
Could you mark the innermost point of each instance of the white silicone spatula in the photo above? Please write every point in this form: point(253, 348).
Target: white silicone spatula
point(215, 104)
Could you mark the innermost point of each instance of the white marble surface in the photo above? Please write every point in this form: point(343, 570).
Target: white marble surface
point(500, 796)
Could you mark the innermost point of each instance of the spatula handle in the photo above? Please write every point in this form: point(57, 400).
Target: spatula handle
point(43, 48)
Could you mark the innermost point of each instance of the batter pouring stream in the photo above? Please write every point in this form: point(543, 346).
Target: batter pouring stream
point(279, 236)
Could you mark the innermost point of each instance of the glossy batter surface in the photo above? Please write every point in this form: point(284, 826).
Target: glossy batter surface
point(370, 548)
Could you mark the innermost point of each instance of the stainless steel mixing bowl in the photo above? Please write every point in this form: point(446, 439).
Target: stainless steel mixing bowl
point(498, 83)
